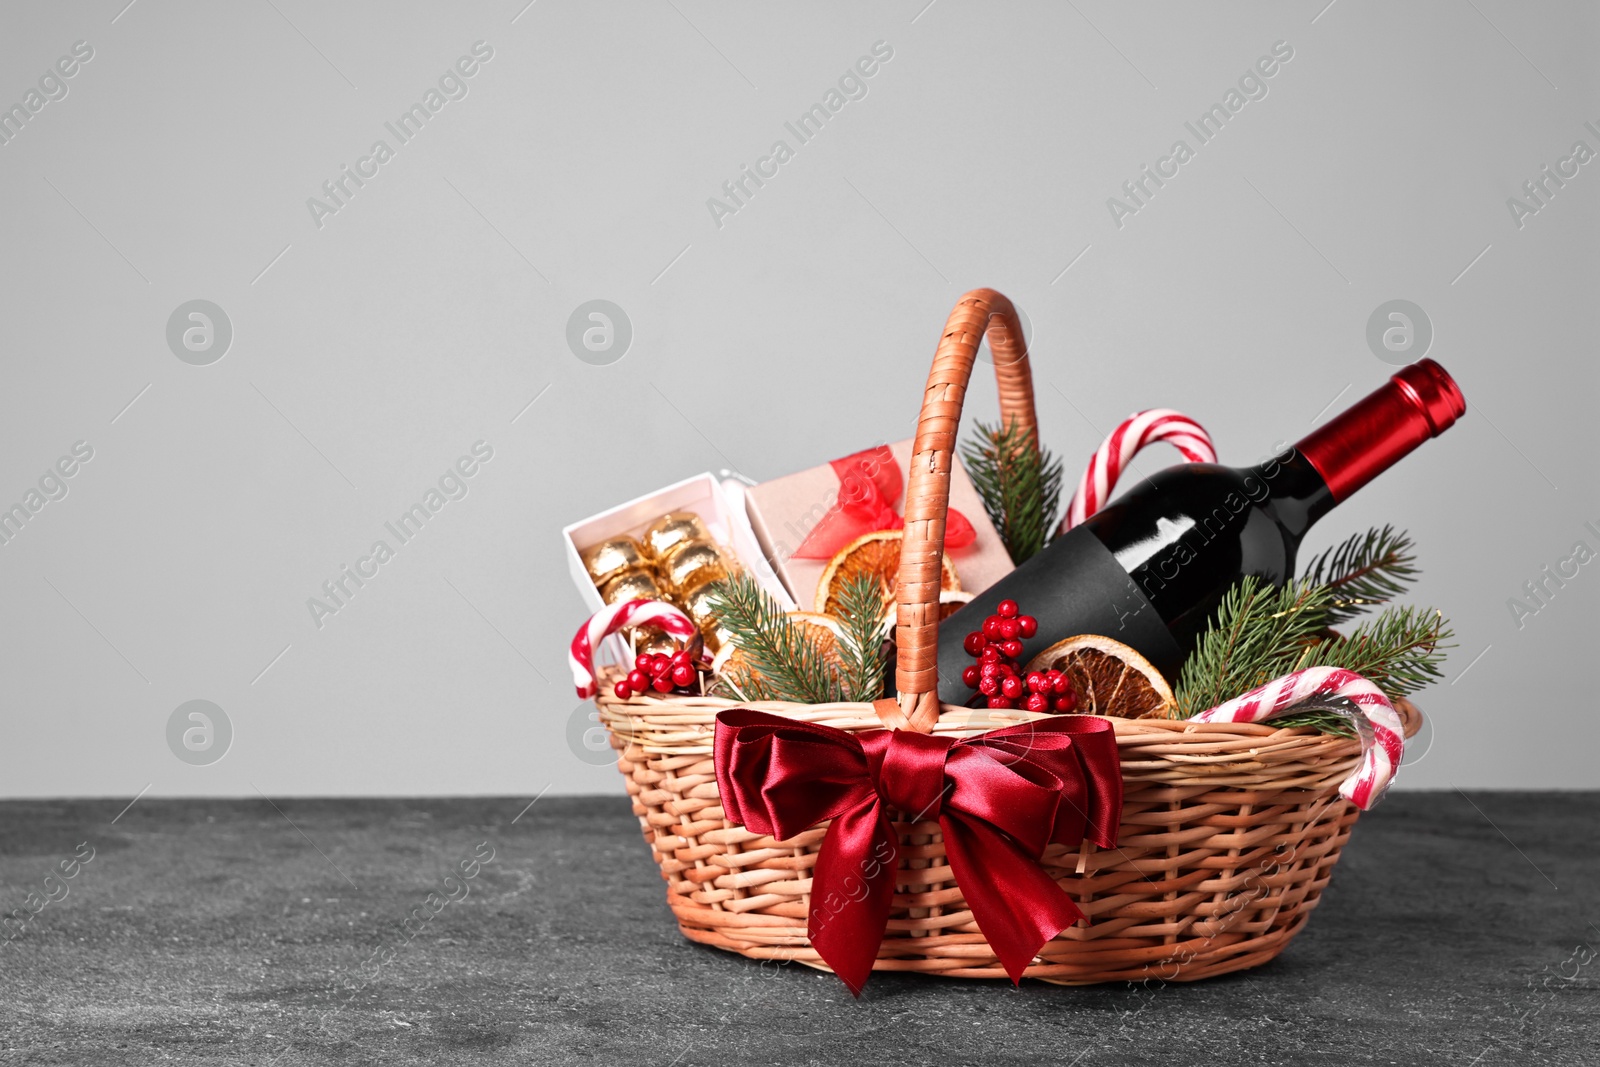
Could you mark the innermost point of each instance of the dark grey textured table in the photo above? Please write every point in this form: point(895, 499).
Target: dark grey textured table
point(233, 931)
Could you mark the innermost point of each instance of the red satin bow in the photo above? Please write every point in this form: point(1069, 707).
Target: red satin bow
point(869, 484)
point(1000, 798)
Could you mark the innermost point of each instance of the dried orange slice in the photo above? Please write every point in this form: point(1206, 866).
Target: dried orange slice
point(952, 601)
point(877, 554)
point(1108, 677)
point(824, 631)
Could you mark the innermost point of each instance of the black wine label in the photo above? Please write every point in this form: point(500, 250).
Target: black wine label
point(1079, 589)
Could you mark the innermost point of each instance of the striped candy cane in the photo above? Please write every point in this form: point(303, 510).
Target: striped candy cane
point(620, 616)
point(1136, 431)
point(1382, 742)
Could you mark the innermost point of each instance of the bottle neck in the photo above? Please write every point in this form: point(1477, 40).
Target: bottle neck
point(1356, 446)
point(1299, 494)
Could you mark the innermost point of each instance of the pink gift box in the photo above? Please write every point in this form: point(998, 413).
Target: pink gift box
point(783, 511)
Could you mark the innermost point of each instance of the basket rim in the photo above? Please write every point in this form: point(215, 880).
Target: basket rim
point(954, 717)
point(1179, 753)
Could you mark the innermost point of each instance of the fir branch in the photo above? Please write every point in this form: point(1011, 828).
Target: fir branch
point(1020, 485)
point(1399, 651)
point(1255, 632)
point(1259, 633)
point(783, 663)
point(862, 605)
point(1365, 570)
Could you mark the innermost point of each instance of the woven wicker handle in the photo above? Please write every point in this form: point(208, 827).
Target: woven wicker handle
point(928, 494)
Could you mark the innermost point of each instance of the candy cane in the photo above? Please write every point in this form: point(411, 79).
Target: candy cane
point(1116, 451)
point(1382, 745)
point(620, 616)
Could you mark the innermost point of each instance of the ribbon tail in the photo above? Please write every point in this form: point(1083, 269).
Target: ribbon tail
point(1016, 905)
point(851, 889)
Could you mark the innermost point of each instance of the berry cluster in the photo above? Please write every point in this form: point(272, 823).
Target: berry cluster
point(657, 671)
point(997, 675)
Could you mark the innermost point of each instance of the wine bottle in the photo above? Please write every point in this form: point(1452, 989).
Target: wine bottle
point(1151, 567)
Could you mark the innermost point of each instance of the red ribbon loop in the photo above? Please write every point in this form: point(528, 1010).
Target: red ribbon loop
point(999, 798)
point(870, 483)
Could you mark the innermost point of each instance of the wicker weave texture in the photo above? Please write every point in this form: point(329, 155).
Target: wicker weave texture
point(1229, 834)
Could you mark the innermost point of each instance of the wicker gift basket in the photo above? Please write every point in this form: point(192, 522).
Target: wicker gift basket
point(1229, 831)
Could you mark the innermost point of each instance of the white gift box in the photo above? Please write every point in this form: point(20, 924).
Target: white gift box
point(719, 501)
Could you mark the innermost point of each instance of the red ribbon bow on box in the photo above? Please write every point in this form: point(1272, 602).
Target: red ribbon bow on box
point(869, 484)
point(1000, 798)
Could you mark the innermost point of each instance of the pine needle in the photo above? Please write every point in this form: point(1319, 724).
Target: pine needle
point(1399, 651)
point(1020, 485)
point(1364, 571)
point(861, 606)
point(783, 663)
point(1255, 630)
point(1259, 633)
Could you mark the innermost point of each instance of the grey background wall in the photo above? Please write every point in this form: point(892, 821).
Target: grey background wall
point(373, 345)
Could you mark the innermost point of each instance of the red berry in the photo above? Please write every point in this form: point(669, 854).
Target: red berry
point(1037, 702)
point(622, 691)
point(989, 670)
point(1036, 682)
point(975, 643)
point(642, 661)
point(1011, 686)
point(1012, 648)
point(638, 681)
point(681, 658)
point(659, 662)
point(990, 654)
point(969, 677)
point(683, 674)
point(1066, 702)
point(989, 686)
point(991, 628)
point(1000, 702)
point(662, 684)
point(1009, 628)
point(1027, 626)
point(1060, 683)
point(1006, 609)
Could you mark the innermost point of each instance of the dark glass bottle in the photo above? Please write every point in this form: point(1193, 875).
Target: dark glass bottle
point(1151, 567)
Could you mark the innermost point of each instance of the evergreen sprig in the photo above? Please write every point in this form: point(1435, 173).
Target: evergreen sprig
point(1019, 482)
point(782, 662)
point(1254, 631)
point(1259, 633)
point(1400, 650)
point(1365, 570)
point(862, 604)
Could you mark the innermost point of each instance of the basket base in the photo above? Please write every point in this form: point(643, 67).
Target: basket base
point(1185, 961)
